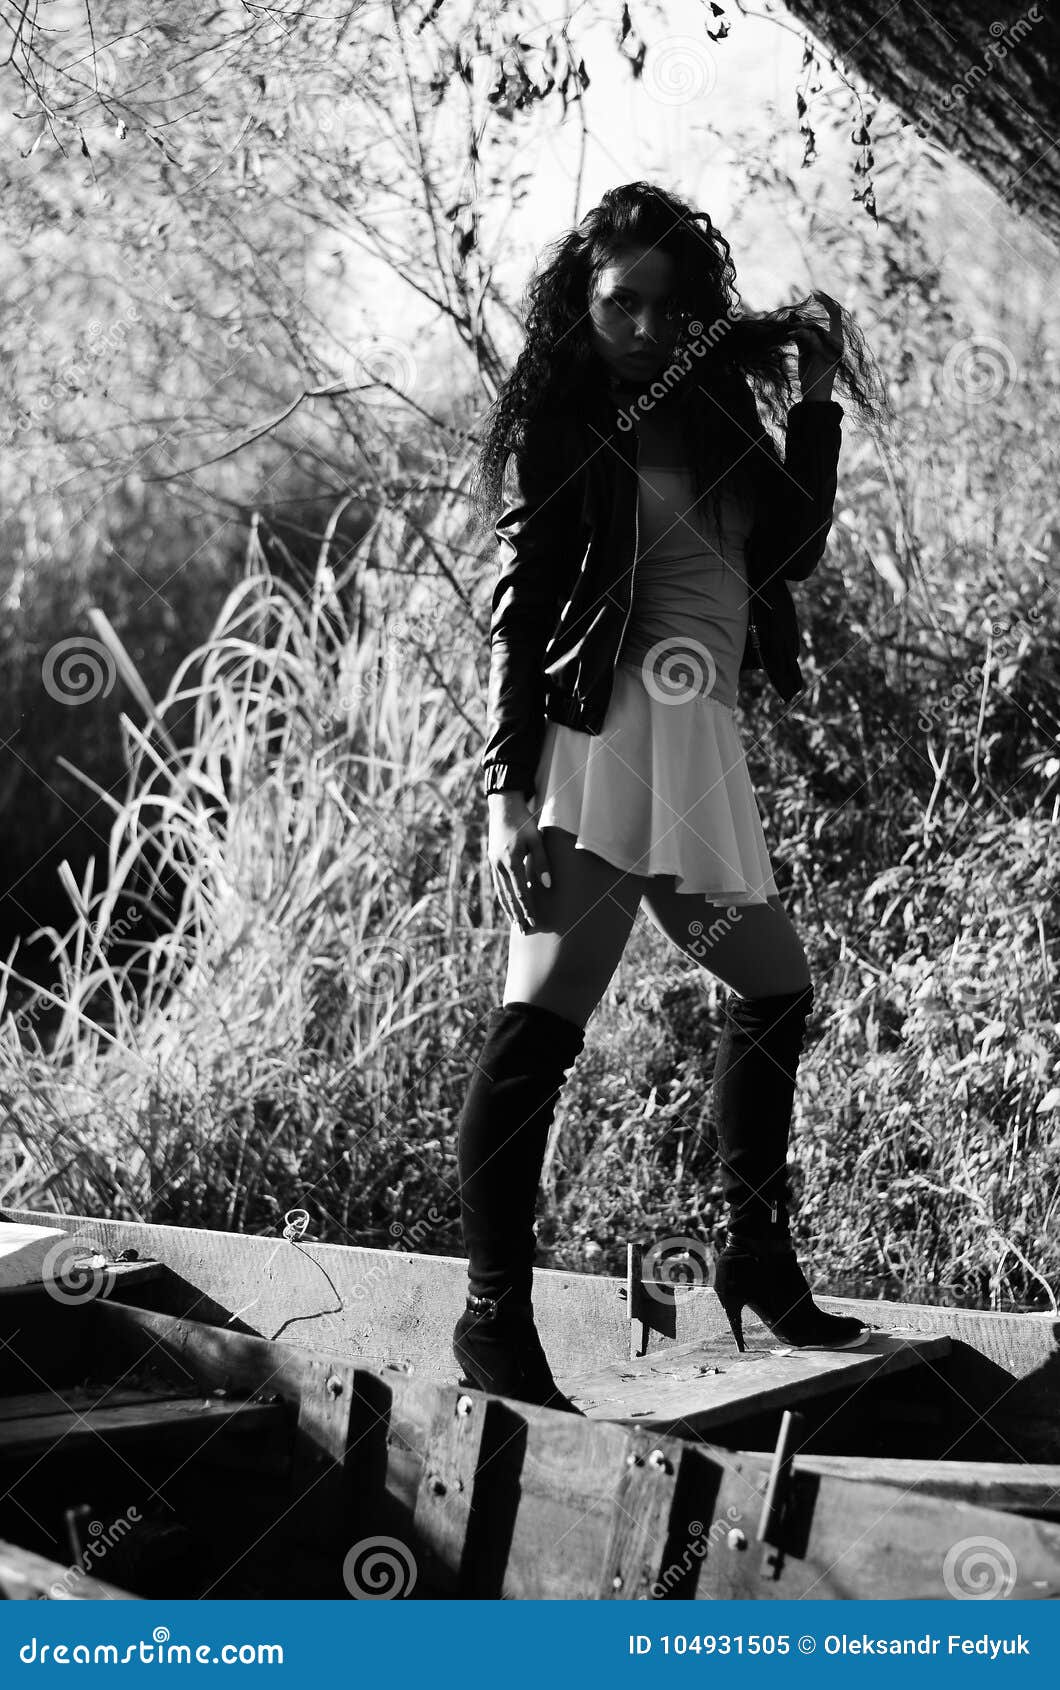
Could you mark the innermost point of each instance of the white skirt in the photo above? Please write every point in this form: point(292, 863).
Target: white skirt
point(662, 789)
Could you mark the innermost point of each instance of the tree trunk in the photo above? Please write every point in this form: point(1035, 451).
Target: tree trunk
point(985, 87)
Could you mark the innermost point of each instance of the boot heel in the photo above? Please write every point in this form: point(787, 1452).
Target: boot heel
point(734, 1316)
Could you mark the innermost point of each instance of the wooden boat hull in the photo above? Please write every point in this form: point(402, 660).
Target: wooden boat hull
point(339, 1400)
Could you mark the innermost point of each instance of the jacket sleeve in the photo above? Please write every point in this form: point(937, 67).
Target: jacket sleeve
point(797, 493)
point(538, 531)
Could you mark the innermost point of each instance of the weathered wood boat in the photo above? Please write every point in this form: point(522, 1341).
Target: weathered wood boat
point(189, 1413)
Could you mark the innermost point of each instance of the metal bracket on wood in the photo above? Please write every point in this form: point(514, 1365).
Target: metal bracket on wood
point(778, 1492)
point(636, 1310)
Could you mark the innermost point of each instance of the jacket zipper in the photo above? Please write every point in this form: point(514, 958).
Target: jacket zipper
point(636, 543)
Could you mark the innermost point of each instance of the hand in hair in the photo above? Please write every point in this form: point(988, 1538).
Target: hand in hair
point(820, 350)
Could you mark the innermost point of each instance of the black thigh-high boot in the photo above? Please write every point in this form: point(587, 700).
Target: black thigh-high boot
point(754, 1090)
point(502, 1135)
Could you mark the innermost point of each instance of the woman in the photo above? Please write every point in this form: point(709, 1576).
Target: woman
point(648, 528)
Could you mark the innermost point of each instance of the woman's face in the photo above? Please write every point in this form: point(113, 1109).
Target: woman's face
point(632, 313)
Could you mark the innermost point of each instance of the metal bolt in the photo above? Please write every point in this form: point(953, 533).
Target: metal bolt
point(634, 1460)
point(616, 1582)
point(658, 1459)
point(736, 1539)
point(333, 1386)
point(436, 1485)
point(464, 1405)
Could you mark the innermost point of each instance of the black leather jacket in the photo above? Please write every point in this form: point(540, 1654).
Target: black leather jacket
point(568, 532)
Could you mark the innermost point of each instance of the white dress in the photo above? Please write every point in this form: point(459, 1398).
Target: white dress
point(664, 787)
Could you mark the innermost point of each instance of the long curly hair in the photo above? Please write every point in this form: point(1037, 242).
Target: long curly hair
point(559, 371)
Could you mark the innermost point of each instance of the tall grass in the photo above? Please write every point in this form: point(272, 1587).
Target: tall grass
point(319, 948)
point(299, 1029)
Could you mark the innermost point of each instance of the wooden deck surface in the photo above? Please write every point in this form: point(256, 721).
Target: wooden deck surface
point(397, 1308)
point(696, 1389)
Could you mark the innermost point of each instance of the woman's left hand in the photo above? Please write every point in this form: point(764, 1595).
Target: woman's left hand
point(820, 350)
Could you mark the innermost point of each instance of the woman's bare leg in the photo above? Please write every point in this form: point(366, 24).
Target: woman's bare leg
point(583, 922)
point(753, 948)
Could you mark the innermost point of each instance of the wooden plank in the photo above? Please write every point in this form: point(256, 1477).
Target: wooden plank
point(700, 1391)
point(446, 1492)
point(546, 1490)
point(850, 1540)
point(322, 1390)
point(78, 1399)
point(542, 1504)
point(117, 1278)
point(25, 1576)
point(1011, 1486)
point(24, 1250)
point(398, 1308)
point(169, 1424)
point(637, 1551)
point(327, 1399)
